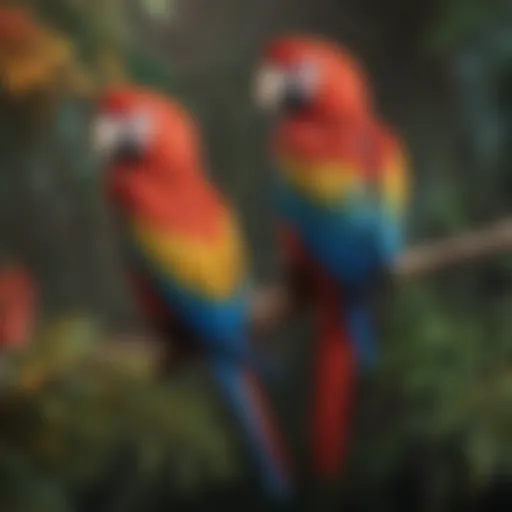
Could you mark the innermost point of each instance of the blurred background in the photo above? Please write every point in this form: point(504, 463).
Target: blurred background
point(83, 425)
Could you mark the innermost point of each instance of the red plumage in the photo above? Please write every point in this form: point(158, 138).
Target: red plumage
point(17, 307)
point(334, 380)
point(334, 371)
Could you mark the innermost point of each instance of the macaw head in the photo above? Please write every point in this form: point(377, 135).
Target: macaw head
point(146, 140)
point(308, 77)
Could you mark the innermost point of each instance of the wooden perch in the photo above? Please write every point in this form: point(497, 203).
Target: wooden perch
point(275, 303)
point(435, 256)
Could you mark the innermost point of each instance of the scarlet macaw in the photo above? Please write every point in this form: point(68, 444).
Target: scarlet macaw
point(185, 254)
point(340, 195)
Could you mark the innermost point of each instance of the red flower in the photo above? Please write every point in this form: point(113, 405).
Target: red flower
point(17, 307)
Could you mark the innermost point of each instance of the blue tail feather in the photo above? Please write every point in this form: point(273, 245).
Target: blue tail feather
point(248, 412)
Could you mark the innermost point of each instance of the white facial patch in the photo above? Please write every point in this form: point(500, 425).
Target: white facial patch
point(270, 87)
point(109, 132)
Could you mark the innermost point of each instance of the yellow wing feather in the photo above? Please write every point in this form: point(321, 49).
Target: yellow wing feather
point(395, 184)
point(325, 182)
point(212, 268)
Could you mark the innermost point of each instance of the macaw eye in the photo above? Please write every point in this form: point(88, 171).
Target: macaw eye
point(134, 139)
point(307, 77)
point(301, 86)
point(139, 127)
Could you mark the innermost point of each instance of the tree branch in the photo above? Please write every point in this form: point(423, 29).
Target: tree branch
point(275, 303)
point(468, 247)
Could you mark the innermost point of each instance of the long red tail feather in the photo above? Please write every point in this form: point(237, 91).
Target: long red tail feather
point(333, 388)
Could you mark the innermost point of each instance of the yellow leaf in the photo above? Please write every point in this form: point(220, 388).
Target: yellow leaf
point(36, 64)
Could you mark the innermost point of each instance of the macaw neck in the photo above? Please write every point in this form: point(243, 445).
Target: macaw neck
point(192, 211)
point(318, 139)
point(178, 202)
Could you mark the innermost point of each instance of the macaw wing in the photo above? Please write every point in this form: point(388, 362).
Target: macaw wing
point(394, 193)
point(203, 282)
point(211, 268)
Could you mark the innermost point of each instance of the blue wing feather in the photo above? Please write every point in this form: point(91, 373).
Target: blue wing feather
point(218, 323)
point(353, 242)
point(221, 329)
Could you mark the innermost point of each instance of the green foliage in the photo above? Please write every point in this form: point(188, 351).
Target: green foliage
point(73, 400)
point(458, 19)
